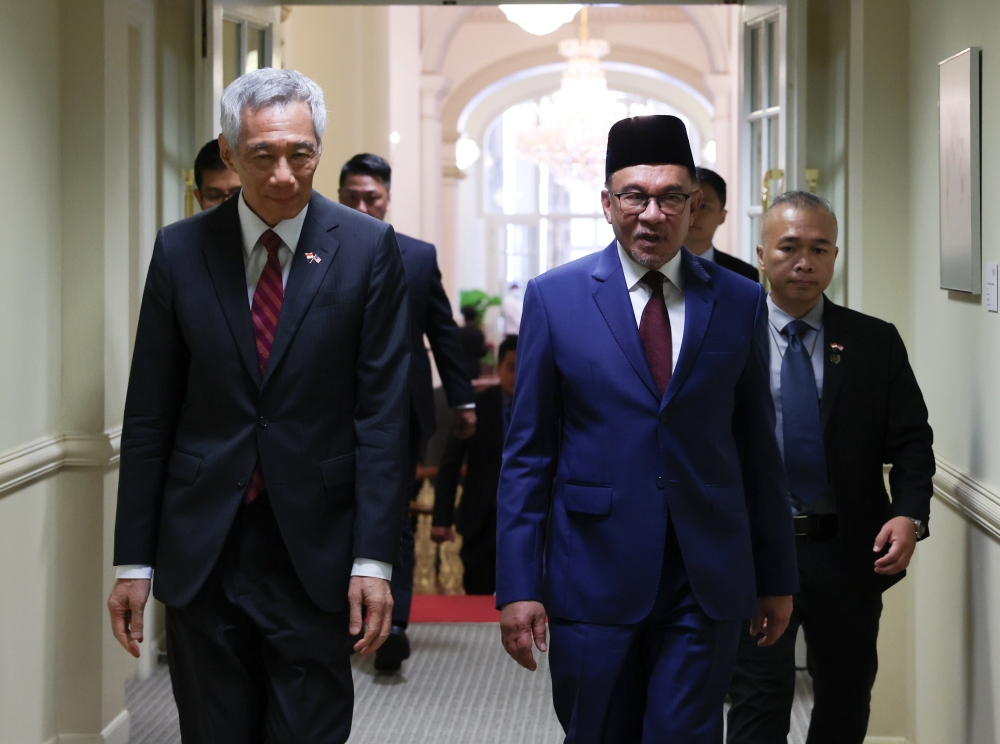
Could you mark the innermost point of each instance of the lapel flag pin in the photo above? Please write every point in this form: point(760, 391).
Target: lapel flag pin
point(311, 257)
point(838, 347)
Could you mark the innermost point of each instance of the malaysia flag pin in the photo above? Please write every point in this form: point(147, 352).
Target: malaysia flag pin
point(311, 257)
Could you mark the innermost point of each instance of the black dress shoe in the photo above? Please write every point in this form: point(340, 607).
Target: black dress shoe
point(395, 650)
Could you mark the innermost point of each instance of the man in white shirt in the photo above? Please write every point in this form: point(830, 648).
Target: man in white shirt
point(263, 464)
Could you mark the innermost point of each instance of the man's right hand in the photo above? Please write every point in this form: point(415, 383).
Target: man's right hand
point(442, 534)
point(126, 603)
point(773, 614)
point(520, 624)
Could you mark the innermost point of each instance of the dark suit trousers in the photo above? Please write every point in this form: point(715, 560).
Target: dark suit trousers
point(657, 682)
point(840, 618)
point(479, 558)
point(252, 658)
point(402, 568)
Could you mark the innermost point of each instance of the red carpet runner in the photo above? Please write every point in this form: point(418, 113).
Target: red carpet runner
point(439, 608)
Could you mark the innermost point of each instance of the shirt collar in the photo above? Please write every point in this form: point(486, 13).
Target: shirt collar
point(253, 227)
point(779, 318)
point(709, 255)
point(635, 272)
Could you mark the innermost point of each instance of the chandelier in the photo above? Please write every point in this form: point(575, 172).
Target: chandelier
point(569, 131)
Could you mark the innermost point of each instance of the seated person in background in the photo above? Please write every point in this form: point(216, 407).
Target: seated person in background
point(214, 182)
point(473, 341)
point(846, 402)
point(476, 519)
point(709, 217)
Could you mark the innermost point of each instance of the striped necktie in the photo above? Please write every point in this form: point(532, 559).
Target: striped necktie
point(265, 311)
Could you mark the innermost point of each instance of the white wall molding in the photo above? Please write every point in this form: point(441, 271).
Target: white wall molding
point(972, 499)
point(29, 462)
point(886, 740)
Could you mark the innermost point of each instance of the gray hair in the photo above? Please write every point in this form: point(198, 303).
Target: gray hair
point(270, 87)
point(798, 200)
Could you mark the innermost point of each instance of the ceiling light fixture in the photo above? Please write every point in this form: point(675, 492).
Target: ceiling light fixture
point(540, 19)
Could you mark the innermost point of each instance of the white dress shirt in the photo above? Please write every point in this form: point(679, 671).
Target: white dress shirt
point(813, 342)
point(673, 294)
point(709, 255)
point(254, 259)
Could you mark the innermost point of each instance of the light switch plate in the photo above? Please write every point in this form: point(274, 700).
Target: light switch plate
point(991, 287)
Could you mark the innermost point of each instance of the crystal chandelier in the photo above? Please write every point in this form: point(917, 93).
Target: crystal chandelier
point(569, 131)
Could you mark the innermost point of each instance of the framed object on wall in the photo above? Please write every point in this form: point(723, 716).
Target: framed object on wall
point(960, 203)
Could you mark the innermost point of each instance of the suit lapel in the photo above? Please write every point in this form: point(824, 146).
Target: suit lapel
point(612, 298)
point(304, 278)
point(226, 266)
point(836, 356)
point(699, 302)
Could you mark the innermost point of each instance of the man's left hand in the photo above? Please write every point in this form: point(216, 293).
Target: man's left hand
point(900, 534)
point(375, 595)
point(773, 614)
point(465, 422)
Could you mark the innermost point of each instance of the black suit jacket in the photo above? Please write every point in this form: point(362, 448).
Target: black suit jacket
point(483, 453)
point(430, 314)
point(734, 264)
point(329, 419)
point(873, 414)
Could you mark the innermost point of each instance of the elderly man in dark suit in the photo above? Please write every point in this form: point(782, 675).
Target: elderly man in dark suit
point(711, 215)
point(847, 403)
point(476, 520)
point(263, 463)
point(365, 182)
point(642, 504)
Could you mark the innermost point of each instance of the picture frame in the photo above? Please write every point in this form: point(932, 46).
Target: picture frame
point(959, 106)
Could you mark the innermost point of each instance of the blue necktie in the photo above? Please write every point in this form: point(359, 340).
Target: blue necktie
point(805, 457)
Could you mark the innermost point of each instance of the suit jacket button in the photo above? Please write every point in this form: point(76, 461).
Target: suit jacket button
point(241, 482)
point(262, 421)
point(660, 482)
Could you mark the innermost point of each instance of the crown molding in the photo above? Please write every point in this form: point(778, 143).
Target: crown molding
point(40, 458)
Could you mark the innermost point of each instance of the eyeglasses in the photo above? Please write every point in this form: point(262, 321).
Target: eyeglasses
point(635, 202)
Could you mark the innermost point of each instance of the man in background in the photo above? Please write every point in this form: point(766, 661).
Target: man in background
point(365, 181)
point(214, 182)
point(847, 403)
point(473, 341)
point(476, 517)
point(710, 216)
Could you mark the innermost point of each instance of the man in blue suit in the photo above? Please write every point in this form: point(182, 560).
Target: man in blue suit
point(642, 503)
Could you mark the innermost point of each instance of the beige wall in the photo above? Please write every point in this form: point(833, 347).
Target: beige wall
point(956, 354)
point(346, 51)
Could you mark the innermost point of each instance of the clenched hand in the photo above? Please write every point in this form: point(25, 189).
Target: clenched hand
point(773, 614)
point(520, 624)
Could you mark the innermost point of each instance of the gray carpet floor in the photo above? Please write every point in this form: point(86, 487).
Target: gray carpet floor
point(459, 686)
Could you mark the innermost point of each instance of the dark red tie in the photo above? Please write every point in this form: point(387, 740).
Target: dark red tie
point(654, 329)
point(266, 309)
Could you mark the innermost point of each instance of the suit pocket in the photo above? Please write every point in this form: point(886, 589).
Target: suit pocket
point(726, 497)
point(338, 471)
point(587, 499)
point(183, 467)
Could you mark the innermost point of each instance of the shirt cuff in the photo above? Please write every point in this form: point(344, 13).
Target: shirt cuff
point(371, 568)
point(467, 407)
point(133, 572)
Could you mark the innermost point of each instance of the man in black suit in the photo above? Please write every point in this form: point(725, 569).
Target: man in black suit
point(709, 217)
point(847, 402)
point(476, 518)
point(365, 181)
point(263, 458)
point(473, 341)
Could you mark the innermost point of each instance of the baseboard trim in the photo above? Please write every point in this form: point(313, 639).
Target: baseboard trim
point(116, 732)
point(30, 462)
point(969, 497)
point(886, 740)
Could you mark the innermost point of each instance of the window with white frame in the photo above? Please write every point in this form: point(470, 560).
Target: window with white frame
point(246, 46)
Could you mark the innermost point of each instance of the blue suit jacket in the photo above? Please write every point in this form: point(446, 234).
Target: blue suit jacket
point(595, 461)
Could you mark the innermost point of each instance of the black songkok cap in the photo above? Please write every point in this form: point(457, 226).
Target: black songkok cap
point(648, 140)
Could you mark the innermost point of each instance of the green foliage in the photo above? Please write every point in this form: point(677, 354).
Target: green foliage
point(478, 299)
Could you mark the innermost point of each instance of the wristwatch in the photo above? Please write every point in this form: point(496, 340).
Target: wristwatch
point(921, 526)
